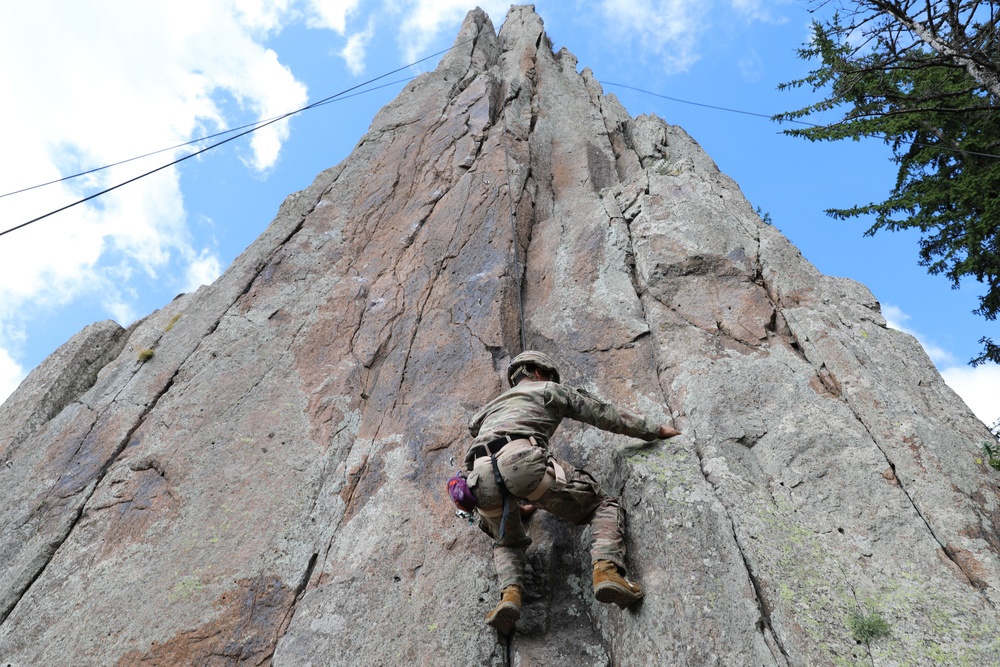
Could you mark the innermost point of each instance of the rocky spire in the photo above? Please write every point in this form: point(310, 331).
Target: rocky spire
point(269, 485)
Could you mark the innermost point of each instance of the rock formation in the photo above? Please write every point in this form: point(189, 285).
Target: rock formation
point(268, 486)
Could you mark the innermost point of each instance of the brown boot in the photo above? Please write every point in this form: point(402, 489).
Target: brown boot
point(610, 586)
point(504, 616)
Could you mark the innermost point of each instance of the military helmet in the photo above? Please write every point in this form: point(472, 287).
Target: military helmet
point(532, 358)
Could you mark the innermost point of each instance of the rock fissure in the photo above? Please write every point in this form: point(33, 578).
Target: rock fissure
point(263, 264)
point(835, 386)
point(100, 417)
point(55, 545)
point(267, 371)
point(330, 462)
point(765, 625)
point(971, 579)
point(300, 590)
point(47, 557)
point(857, 606)
point(766, 628)
point(83, 368)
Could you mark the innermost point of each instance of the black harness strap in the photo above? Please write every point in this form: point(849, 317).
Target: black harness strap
point(498, 478)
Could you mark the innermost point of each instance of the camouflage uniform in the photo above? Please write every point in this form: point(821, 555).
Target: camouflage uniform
point(534, 409)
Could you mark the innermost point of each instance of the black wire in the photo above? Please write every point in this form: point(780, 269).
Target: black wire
point(342, 94)
point(131, 159)
point(788, 120)
point(697, 104)
point(195, 141)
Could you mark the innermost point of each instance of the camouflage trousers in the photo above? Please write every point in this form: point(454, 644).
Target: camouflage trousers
point(579, 501)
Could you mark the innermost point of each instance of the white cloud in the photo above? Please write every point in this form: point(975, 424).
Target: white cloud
point(671, 29)
point(896, 319)
point(979, 387)
point(331, 14)
point(11, 375)
point(678, 31)
point(201, 270)
point(104, 81)
point(353, 52)
point(119, 309)
point(262, 15)
point(760, 10)
point(425, 19)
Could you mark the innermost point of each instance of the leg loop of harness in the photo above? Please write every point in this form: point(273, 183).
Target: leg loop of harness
point(498, 478)
point(555, 473)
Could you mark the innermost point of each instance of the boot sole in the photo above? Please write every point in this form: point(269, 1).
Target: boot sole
point(612, 593)
point(504, 618)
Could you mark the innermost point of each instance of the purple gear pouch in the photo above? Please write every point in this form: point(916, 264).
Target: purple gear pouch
point(461, 494)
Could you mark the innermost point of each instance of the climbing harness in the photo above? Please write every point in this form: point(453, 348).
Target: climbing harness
point(505, 449)
point(498, 478)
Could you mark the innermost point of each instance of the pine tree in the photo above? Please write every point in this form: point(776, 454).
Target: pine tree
point(925, 78)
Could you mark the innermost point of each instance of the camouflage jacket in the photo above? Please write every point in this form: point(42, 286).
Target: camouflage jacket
point(536, 408)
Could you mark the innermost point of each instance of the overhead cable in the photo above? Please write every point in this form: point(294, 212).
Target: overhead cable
point(254, 128)
point(697, 104)
point(787, 120)
point(198, 140)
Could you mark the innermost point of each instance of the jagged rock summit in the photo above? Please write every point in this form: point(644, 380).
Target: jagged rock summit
point(268, 487)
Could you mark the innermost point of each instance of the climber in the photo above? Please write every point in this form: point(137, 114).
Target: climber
point(509, 463)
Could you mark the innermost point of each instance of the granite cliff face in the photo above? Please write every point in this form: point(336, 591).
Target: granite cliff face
point(268, 488)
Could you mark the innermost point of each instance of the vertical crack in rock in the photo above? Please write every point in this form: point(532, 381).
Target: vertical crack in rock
point(521, 230)
point(765, 625)
point(827, 379)
point(300, 590)
point(857, 604)
point(975, 582)
point(518, 269)
point(766, 629)
point(640, 295)
point(47, 557)
point(93, 483)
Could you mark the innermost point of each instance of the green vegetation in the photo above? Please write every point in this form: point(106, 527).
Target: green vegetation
point(146, 355)
point(764, 216)
point(866, 626)
point(923, 79)
point(992, 454)
point(173, 321)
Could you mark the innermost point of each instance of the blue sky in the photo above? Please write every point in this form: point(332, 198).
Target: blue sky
point(94, 82)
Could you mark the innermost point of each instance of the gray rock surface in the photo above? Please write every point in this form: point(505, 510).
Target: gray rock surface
point(268, 487)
